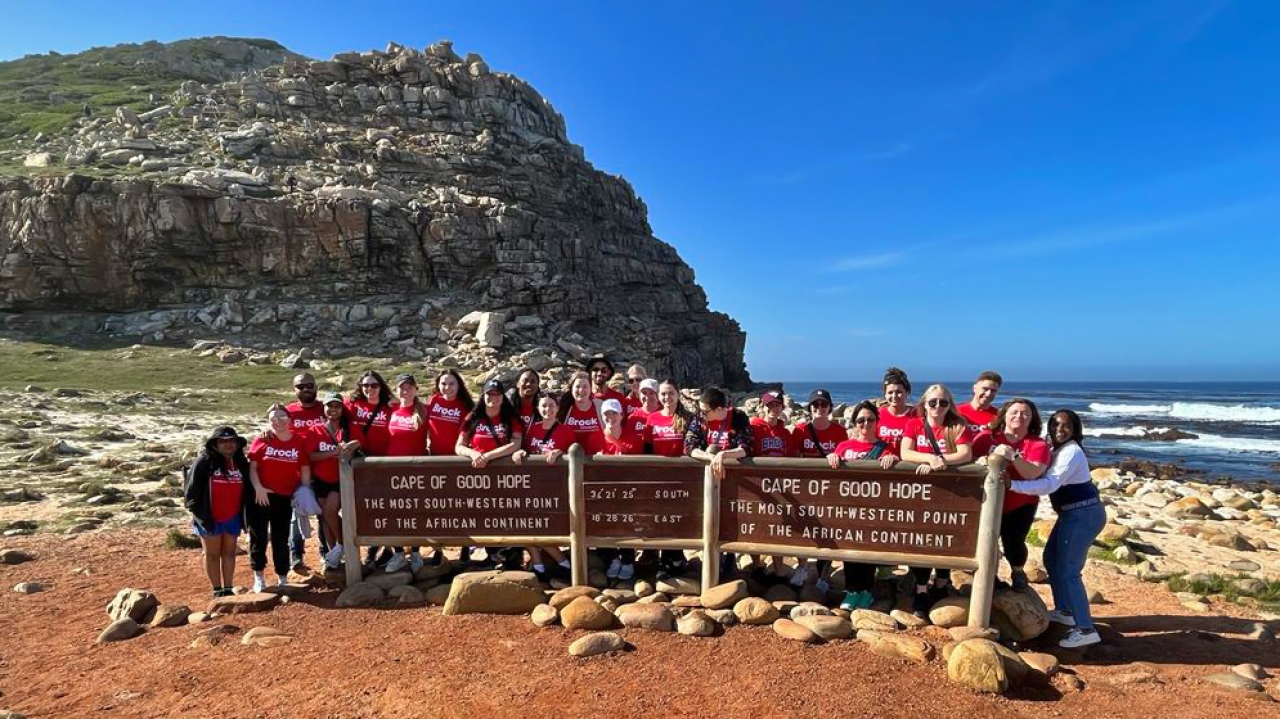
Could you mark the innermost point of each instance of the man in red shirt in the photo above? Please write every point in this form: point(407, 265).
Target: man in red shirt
point(304, 413)
point(979, 412)
point(600, 370)
point(769, 433)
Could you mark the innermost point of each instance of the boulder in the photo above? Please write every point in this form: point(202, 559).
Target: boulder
point(960, 634)
point(438, 595)
point(585, 613)
point(723, 617)
point(1113, 533)
point(780, 593)
point(28, 587)
point(643, 588)
point(544, 615)
point(809, 609)
point(561, 599)
point(1231, 680)
point(15, 556)
point(1187, 508)
point(978, 665)
point(361, 594)
point(1044, 665)
point(170, 615)
point(266, 637)
point(494, 592)
point(897, 646)
point(688, 601)
point(696, 624)
point(489, 329)
point(244, 603)
point(908, 620)
point(653, 617)
point(1019, 615)
point(875, 621)
point(385, 581)
point(119, 630)
point(597, 643)
point(756, 611)
point(136, 604)
point(829, 628)
point(673, 586)
point(795, 631)
point(655, 598)
point(725, 595)
point(407, 594)
point(950, 612)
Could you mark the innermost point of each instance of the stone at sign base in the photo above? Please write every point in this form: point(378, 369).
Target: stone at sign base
point(653, 617)
point(794, 631)
point(696, 624)
point(679, 585)
point(829, 628)
point(754, 610)
point(119, 630)
point(724, 595)
point(494, 593)
point(544, 615)
point(561, 599)
point(585, 613)
point(976, 664)
point(1019, 615)
point(598, 643)
point(244, 603)
point(897, 646)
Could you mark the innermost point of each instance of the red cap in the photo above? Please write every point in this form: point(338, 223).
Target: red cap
point(769, 397)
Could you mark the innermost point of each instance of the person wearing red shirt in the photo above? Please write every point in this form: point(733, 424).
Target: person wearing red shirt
point(278, 464)
point(492, 429)
point(819, 436)
point(213, 491)
point(524, 397)
point(718, 432)
point(550, 440)
point(769, 433)
point(369, 408)
point(600, 370)
point(636, 374)
point(445, 411)
point(895, 412)
point(649, 401)
point(980, 411)
point(327, 444)
point(621, 436)
point(408, 428)
point(305, 411)
point(580, 411)
point(936, 438)
point(1015, 435)
point(863, 444)
point(664, 428)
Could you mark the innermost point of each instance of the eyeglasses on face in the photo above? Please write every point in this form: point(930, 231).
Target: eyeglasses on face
point(820, 405)
point(865, 420)
point(937, 402)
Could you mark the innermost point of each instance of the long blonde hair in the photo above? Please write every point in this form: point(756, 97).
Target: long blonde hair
point(953, 422)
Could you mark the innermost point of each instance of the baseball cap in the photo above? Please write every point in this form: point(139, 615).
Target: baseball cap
point(492, 385)
point(820, 395)
point(402, 378)
point(650, 383)
point(331, 397)
point(770, 397)
point(611, 405)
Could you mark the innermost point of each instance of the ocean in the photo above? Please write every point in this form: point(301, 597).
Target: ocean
point(1236, 424)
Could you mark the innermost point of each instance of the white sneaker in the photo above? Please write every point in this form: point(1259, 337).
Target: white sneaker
point(799, 575)
point(259, 583)
point(627, 572)
point(415, 562)
point(281, 580)
point(1079, 638)
point(615, 568)
point(398, 562)
point(1062, 618)
point(334, 557)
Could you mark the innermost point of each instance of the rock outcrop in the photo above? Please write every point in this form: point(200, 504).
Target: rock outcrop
point(361, 203)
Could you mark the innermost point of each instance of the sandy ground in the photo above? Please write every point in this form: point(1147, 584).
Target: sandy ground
point(414, 662)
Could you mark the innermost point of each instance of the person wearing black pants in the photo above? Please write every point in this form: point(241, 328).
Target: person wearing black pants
point(1015, 435)
point(274, 519)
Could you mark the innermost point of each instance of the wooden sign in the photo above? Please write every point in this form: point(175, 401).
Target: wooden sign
point(852, 509)
point(643, 501)
point(451, 500)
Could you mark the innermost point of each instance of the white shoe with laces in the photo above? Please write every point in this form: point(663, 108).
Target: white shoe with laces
point(1062, 618)
point(259, 583)
point(1077, 638)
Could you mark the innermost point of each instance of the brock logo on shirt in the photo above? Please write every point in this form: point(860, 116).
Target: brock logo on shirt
point(590, 422)
point(446, 412)
point(402, 421)
point(300, 423)
point(276, 453)
point(826, 446)
point(773, 443)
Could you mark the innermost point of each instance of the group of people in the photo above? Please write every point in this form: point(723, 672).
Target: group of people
point(236, 483)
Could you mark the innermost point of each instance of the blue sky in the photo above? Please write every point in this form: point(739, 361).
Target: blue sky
point(1058, 190)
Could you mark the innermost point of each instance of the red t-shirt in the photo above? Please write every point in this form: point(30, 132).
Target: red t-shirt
point(611, 393)
point(660, 433)
point(403, 439)
point(373, 442)
point(304, 418)
point(915, 431)
point(772, 440)
point(587, 429)
point(631, 441)
point(979, 419)
point(525, 410)
point(444, 424)
point(318, 440)
point(852, 449)
point(226, 487)
point(537, 440)
point(279, 462)
point(632, 403)
point(486, 440)
point(890, 427)
point(833, 435)
point(1033, 449)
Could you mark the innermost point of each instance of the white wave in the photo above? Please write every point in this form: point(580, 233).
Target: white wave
point(1121, 431)
point(1203, 441)
point(1101, 408)
point(1195, 411)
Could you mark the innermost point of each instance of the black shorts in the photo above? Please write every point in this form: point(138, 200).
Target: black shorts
point(322, 488)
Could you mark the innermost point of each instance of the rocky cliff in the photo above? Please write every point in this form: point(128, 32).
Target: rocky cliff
point(363, 203)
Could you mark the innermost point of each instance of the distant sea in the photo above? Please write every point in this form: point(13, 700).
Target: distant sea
point(1237, 424)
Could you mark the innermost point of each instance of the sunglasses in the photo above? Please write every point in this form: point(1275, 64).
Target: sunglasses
point(820, 405)
point(368, 384)
point(632, 380)
point(865, 420)
point(936, 403)
point(305, 385)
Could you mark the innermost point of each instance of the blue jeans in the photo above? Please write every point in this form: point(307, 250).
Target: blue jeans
point(298, 544)
point(1064, 556)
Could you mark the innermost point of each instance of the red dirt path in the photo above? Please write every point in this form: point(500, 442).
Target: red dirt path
point(415, 662)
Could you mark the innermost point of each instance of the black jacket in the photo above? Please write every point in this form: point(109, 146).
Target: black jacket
point(197, 491)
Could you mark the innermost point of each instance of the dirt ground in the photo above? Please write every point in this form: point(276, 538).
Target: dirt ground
point(414, 662)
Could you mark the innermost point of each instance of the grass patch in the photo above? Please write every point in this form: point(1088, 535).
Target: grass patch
point(1034, 540)
point(1266, 591)
point(179, 539)
point(1108, 554)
